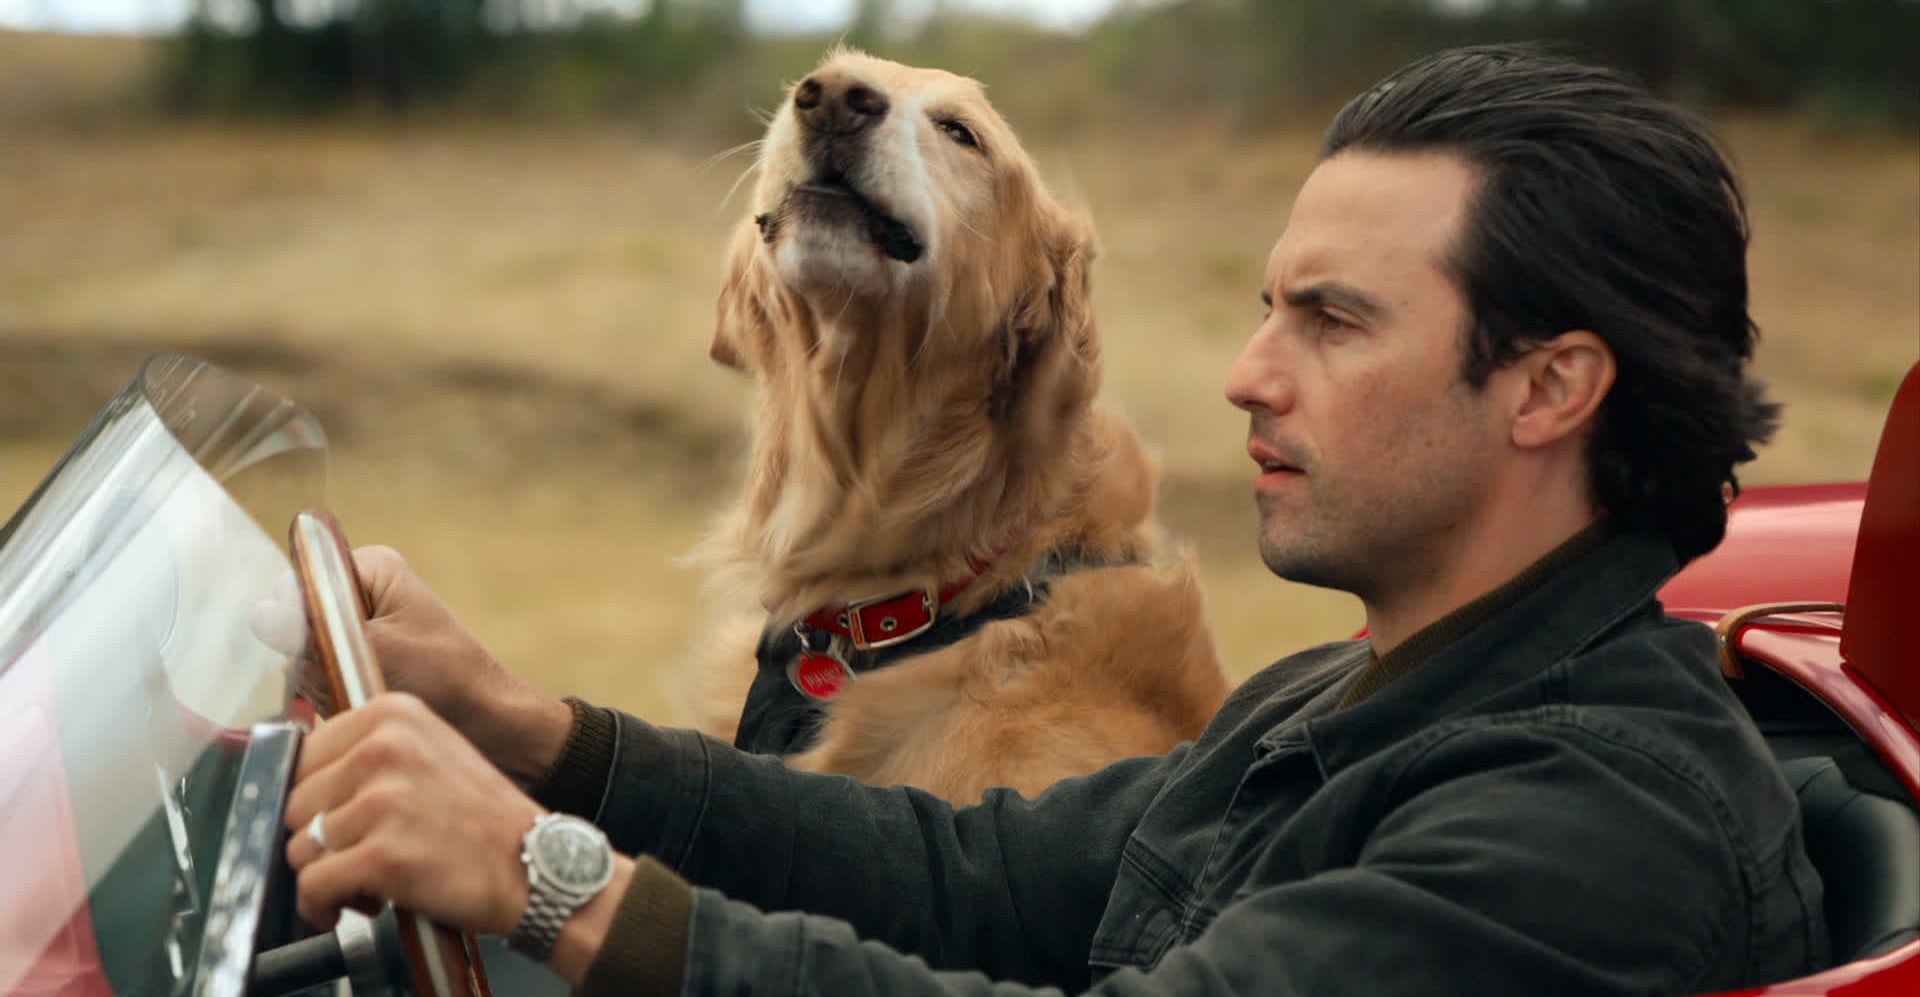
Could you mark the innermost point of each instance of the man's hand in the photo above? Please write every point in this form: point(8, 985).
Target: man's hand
point(414, 815)
point(424, 651)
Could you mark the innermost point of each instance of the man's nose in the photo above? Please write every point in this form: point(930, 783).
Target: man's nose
point(1257, 379)
point(838, 102)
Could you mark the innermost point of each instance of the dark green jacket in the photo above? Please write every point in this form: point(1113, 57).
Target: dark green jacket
point(1564, 800)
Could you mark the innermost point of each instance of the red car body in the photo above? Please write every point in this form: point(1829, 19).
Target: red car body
point(1819, 585)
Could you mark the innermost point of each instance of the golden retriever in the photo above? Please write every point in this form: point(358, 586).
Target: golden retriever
point(912, 306)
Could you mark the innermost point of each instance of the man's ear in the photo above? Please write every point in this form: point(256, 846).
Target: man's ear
point(735, 308)
point(1559, 386)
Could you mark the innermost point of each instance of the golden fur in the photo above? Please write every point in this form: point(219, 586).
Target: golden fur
point(925, 366)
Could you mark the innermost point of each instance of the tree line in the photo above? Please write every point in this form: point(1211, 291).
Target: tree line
point(1255, 61)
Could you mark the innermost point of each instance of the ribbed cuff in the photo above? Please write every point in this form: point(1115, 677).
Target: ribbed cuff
point(645, 951)
point(577, 780)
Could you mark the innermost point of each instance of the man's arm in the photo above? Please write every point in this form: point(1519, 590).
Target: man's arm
point(1513, 861)
point(1011, 886)
point(900, 865)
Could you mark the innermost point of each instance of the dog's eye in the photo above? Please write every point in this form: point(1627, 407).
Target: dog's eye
point(958, 132)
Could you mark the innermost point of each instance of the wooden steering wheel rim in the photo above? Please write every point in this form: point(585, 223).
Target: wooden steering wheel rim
point(440, 962)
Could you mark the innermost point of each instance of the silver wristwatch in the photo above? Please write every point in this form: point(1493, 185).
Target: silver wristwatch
point(568, 863)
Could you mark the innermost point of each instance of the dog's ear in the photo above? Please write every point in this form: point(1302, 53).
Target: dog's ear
point(1072, 252)
point(735, 309)
point(1053, 354)
point(1059, 308)
point(722, 351)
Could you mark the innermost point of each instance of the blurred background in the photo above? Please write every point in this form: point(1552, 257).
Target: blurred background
point(481, 239)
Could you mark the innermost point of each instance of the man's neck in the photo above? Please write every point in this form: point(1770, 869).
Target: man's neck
point(1479, 562)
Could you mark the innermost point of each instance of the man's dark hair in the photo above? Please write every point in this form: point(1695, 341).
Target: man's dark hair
point(1598, 207)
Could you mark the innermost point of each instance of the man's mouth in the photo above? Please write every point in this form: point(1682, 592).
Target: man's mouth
point(1272, 461)
point(1277, 473)
point(832, 194)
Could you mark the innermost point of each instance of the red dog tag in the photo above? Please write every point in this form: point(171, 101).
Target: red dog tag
point(820, 676)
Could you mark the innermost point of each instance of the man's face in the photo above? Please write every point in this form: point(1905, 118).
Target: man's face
point(1374, 453)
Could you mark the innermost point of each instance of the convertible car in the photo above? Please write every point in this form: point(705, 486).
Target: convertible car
point(1810, 595)
point(145, 738)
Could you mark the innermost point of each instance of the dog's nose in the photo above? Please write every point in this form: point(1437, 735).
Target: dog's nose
point(831, 101)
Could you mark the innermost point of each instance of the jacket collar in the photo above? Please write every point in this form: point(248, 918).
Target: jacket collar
point(1564, 614)
point(1383, 669)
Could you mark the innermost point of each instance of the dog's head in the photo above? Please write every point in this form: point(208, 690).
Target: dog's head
point(914, 306)
point(894, 201)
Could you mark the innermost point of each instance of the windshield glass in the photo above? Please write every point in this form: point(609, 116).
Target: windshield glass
point(129, 674)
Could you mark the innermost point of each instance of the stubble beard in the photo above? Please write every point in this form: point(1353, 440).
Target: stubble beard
point(1299, 545)
point(1376, 547)
point(1389, 530)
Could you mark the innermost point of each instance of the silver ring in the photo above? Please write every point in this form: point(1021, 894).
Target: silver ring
point(317, 831)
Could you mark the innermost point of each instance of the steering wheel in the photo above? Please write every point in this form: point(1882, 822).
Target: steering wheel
point(441, 963)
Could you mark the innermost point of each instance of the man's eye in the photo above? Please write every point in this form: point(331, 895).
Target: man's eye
point(1325, 322)
point(958, 132)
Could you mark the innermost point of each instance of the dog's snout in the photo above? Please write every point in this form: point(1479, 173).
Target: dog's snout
point(867, 102)
point(830, 101)
point(806, 96)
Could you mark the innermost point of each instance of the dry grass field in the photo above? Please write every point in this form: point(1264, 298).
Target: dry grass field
point(504, 329)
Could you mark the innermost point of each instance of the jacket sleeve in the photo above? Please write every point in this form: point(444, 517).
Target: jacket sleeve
point(1511, 862)
point(1011, 886)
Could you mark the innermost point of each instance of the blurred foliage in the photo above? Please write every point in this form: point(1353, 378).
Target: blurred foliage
point(399, 56)
point(1254, 61)
point(1849, 61)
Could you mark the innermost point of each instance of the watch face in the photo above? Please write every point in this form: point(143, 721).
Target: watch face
point(573, 855)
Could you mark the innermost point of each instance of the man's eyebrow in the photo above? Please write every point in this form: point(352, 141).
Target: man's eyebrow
point(1334, 293)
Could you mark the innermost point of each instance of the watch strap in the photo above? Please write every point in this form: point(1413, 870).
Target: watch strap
point(549, 905)
point(547, 912)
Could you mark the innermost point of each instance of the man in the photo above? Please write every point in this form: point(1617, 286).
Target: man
point(1499, 396)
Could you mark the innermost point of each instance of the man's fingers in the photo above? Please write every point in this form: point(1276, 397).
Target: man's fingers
point(280, 624)
point(387, 866)
point(345, 825)
point(380, 569)
point(386, 721)
point(328, 743)
point(327, 790)
point(352, 878)
point(381, 734)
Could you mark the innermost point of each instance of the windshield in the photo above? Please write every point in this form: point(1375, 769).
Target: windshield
point(129, 675)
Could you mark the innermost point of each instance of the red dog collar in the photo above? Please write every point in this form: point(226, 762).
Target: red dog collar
point(887, 620)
